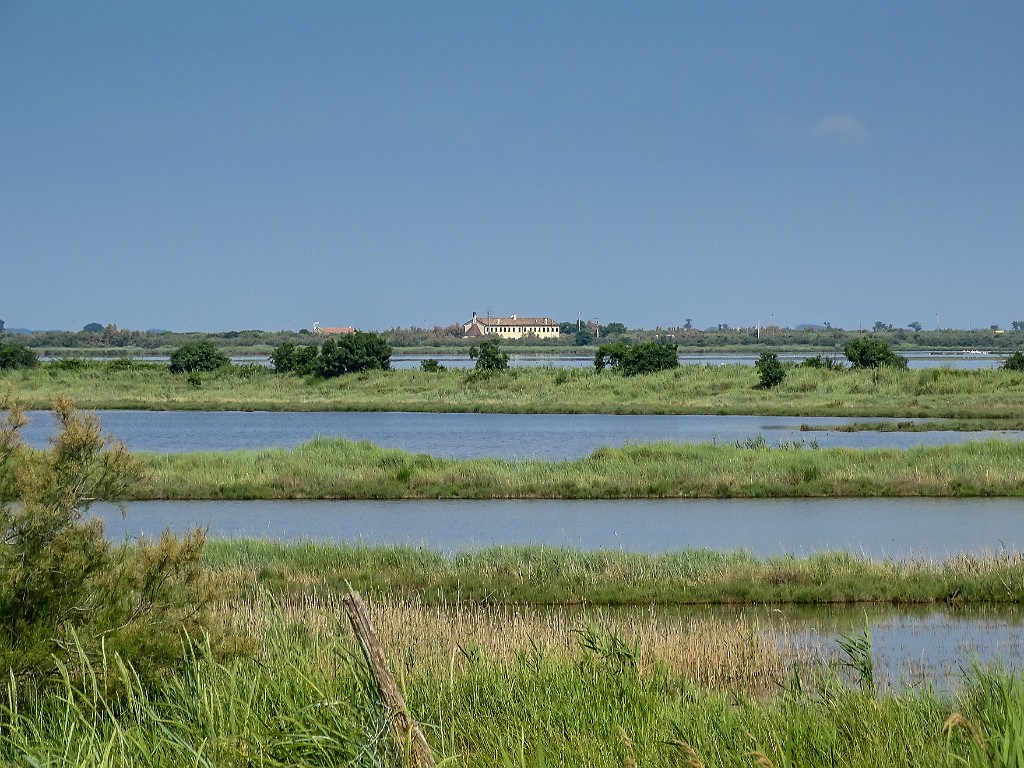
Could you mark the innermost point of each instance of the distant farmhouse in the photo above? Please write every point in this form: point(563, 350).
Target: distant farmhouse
point(332, 331)
point(511, 327)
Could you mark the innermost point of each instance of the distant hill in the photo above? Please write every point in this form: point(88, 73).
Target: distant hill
point(809, 327)
point(17, 330)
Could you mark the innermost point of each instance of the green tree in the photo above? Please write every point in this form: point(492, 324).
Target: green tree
point(14, 356)
point(636, 359)
point(610, 355)
point(1, 326)
point(195, 356)
point(915, 326)
point(1014, 362)
point(302, 360)
point(488, 356)
point(583, 337)
point(93, 328)
point(289, 358)
point(354, 352)
point(866, 352)
point(1018, 325)
point(770, 370)
point(608, 330)
point(65, 591)
point(431, 365)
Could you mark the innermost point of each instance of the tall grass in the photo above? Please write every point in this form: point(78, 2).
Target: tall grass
point(492, 687)
point(727, 389)
point(550, 576)
point(336, 468)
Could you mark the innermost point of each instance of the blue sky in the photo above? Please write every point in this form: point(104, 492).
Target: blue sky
point(215, 166)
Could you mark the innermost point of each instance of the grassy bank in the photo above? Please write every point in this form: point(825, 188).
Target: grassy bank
point(549, 576)
point(690, 389)
point(493, 687)
point(951, 425)
point(336, 468)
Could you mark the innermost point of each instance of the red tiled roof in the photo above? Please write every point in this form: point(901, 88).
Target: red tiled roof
point(330, 331)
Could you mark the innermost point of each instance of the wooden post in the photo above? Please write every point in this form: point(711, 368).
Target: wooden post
point(409, 740)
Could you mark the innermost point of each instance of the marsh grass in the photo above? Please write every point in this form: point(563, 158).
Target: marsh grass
point(336, 468)
point(550, 576)
point(726, 389)
point(493, 686)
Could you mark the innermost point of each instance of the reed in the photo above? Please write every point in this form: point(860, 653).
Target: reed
point(496, 686)
point(550, 576)
point(337, 468)
point(690, 389)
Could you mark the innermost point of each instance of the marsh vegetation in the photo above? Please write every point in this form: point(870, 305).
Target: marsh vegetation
point(688, 389)
point(336, 468)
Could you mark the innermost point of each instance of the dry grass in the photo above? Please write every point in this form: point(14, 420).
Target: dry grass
point(440, 640)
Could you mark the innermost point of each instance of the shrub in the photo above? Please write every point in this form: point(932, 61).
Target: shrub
point(199, 355)
point(1014, 362)
point(14, 356)
point(431, 366)
point(65, 592)
point(288, 358)
point(867, 352)
point(770, 370)
point(820, 361)
point(488, 356)
point(635, 359)
point(353, 353)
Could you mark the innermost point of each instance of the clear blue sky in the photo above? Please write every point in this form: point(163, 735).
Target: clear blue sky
point(229, 165)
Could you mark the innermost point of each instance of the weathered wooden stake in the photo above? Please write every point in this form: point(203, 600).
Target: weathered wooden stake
point(409, 740)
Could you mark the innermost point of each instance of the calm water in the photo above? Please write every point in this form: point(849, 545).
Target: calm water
point(911, 645)
point(878, 528)
point(469, 435)
point(915, 359)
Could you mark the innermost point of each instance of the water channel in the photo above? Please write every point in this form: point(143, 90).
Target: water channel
point(898, 528)
point(472, 435)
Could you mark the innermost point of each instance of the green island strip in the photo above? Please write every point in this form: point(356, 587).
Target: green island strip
point(336, 468)
point(943, 425)
point(989, 395)
point(548, 576)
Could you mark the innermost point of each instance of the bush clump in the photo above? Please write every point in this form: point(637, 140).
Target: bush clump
point(196, 356)
point(823, 363)
point(769, 370)
point(488, 356)
point(15, 356)
point(866, 352)
point(1014, 362)
point(351, 353)
point(636, 359)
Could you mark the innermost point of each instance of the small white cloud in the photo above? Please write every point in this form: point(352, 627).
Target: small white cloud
point(840, 126)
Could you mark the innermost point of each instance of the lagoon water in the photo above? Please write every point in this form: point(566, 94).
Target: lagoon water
point(878, 528)
point(915, 360)
point(473, 435)
point(912, 645)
